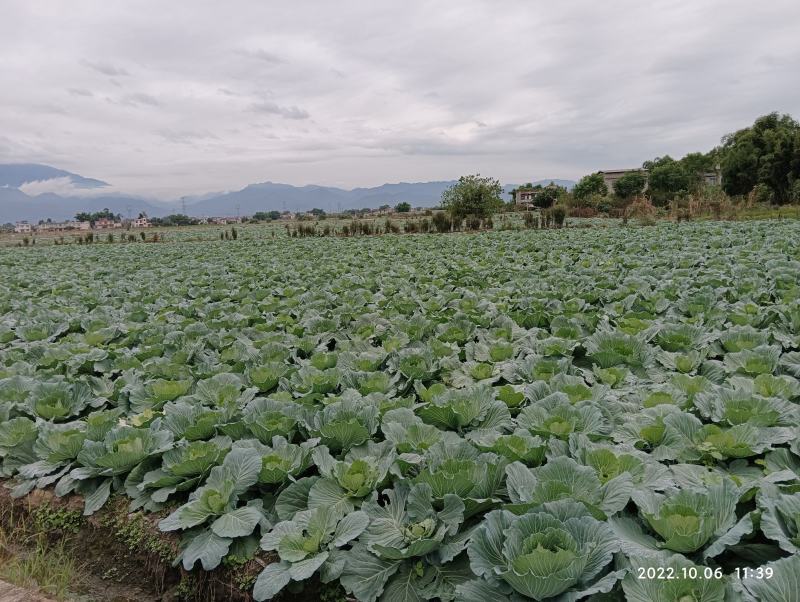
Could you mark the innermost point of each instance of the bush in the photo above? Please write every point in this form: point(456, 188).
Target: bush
point(442, 223)
point(762, 193)
point(642, 210)
point(583, 212)
point(559, 215)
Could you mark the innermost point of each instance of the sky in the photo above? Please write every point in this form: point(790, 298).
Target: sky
point(192, 96)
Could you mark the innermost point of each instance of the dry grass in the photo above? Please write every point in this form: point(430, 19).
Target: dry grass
point(33, 563)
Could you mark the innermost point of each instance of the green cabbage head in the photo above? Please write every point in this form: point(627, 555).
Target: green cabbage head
point(555, 548)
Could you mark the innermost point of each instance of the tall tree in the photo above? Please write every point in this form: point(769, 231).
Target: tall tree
point(473, 196)
point(766, 153)
point(668, 179)
point(630, 184)
point(589, 186)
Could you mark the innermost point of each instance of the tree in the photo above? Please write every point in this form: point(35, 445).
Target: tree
point(474, 196)
point(402, 207)
point(590, 185)
point(698, 164)
point(547, 196)
point(93, 217)
point(668, 179)
point(265, 216)
point(317, 212)
point(766, 153)
point(630, 184)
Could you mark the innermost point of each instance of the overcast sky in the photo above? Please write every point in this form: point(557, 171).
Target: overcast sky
point(182, 97)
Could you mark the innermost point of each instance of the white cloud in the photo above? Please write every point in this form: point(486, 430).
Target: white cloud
point(205, 96)
point(62, 186)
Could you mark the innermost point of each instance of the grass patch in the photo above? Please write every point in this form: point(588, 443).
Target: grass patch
point(37, 565)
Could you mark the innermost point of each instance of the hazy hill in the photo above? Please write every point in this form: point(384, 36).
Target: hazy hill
point(14, 175)
point(16, 205)
point(270, 196)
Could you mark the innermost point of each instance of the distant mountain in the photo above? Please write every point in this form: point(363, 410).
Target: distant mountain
point(14, 175)
point(271, 196)
point(16, 205)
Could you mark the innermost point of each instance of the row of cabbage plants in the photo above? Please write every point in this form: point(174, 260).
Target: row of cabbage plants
point(603, 414)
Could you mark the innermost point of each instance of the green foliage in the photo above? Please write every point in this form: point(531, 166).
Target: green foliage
point(590, 185)
point(97, 215)
point(466, 417)
point(266, 216)
point(176, 219)
point(630, 184)
point(764, 154)
point(474, 196)
point(667, 180)
point(402, 207)
point(48, 519)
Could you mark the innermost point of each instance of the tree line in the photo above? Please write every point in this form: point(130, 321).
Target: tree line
point(761, 161)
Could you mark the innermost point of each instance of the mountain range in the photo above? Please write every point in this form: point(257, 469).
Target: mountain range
point(18, 200)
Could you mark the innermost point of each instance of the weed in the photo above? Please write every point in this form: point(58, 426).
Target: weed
point(47, 568)
point(47, 519)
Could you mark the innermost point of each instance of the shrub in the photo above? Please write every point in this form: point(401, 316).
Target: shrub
point(583, 212)
point(642, 210)
point(531, 219)
point(441, 222)
point(559, 215)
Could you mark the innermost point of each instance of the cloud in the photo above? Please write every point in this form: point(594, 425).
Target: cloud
point(63, 186)
point(263, 55)
point(276, 109)
point(138, 99)
point(186, 136)
point(105, 68)
point(359, 93)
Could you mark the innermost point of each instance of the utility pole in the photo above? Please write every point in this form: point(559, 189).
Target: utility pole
point(183, 205)
point(237, 210)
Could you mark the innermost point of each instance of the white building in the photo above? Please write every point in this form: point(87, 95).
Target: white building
point(63, 226)
point(23, 228)
point(222, 221)
point(141, 222)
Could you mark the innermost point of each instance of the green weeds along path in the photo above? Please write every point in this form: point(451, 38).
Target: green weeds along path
point(604, 414)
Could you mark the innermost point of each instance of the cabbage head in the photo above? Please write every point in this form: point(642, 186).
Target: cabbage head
point(553, 549)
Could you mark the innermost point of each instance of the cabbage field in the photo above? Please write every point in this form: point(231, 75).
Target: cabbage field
point(584, 414)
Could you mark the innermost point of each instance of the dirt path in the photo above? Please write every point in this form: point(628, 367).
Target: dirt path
point(12, 593)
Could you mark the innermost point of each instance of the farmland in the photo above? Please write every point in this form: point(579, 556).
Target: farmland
point(588, 413)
